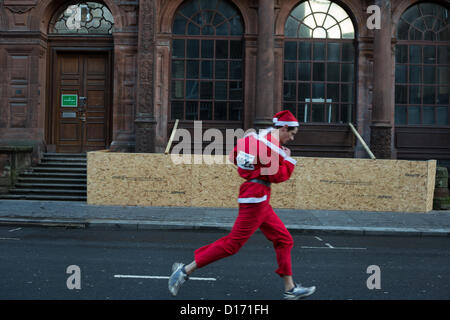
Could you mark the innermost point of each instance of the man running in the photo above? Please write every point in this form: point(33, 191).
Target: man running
point(261, 160)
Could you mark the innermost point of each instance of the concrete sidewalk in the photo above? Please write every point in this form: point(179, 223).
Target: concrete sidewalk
point(79, 214)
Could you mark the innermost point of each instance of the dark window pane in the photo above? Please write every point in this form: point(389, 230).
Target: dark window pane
point(428, 115)
point(189, 8)
point(207, 70)
point(319, 72)
point(430, 36)
point(289, 92)
point(348, 52)
point(226, 9)
point(346, 113)
point(191, 110)
point(443, 75)
point(236, 70)
point(304, 51)
point(331, 113)
point(236, 26)
point(403, 30)
point(415, 54)
point(442, 116)
point(333, 92)
point(220, 111)
point(191, 89)
point(347, 74)
point(178, 48)
point(444, 54)
point(193, 29)
point(235, 90)
point(223, 29)
point(192, 49)
point(443, 95)
point(235, 110)
point(304, 71)
point(429, 54)
point(318, 113)
point(414, 95)
point(290, 70)
point(207, 31)
point(415, 74)
point(218, 19)
point(178, 89)
point(429, 74)
point(346, 93)
point(290, 50)
point(206, 90)
point(192, 69)
point(400, 74)
point(205, 110)
point(177, 110)
point(291, 107)
point(319, 51)
point(177, 69)
point(179, 25)
point(221, 49)
point(221, 90)
point(411, 14)
point(413, 115)
point(333, 72)
point(207, 48)
point(333, 53)
point(400, 115)
point(401, 94)
point(304, 92)
point(429, 95)
point(318, 91)
point(235, 49)
point(401, 54)
point(303, 112)
point(221, 70)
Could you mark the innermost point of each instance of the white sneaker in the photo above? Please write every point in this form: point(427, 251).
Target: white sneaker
point(299, 292)
point(177, 278)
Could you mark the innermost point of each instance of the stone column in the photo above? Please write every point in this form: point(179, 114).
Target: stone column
point(265, 66)
point(145, 121)
point(382, 130)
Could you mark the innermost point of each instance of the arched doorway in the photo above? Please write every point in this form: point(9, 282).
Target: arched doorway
point(80, 73)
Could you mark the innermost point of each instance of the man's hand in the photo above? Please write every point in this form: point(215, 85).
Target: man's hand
point(287, 150)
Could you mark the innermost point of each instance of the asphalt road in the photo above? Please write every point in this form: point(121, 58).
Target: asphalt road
point(121, 264)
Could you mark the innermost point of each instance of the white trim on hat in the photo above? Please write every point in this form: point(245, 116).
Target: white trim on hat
point(283, 123)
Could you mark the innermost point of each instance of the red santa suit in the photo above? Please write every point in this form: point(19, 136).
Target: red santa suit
point(261, 161)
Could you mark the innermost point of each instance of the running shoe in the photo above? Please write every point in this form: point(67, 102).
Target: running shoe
point(178, 277)
point(299, 292)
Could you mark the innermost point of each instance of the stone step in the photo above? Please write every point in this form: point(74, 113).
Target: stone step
point(52, 180)
point(41, 197)
point(63, 160)
point(57, 170)
point(42, 191)
point(48, 185)
point(53, 164)
point(58, 175)
point(65, 155)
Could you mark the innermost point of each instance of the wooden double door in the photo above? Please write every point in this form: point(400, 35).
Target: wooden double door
point(81, 101)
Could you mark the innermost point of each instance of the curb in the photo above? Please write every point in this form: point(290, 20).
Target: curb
point(111, 224)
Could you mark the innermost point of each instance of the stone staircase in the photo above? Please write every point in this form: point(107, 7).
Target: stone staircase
point(58, 176)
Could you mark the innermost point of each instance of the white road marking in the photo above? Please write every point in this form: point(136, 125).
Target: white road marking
point(333, 248)
point(158, 277)
point(318, 238)
point(16, 229)
point(329, 245)
point(9, 239)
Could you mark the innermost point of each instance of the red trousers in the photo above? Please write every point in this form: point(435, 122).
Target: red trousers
point(250, 218)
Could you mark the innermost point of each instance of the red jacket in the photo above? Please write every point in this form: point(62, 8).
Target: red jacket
point(260, 157)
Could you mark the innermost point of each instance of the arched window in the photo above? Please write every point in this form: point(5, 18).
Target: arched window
point(207, 62)
point(83, 18)
point(319, 63)
point(422, 66)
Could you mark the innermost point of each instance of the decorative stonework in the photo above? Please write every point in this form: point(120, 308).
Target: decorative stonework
point(381, 142)
point(145, 122)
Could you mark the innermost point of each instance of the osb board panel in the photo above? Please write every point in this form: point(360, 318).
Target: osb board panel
point(137, 179)
point(317, 183)
point(361, 184)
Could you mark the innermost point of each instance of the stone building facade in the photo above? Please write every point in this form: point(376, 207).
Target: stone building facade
point(115, 74)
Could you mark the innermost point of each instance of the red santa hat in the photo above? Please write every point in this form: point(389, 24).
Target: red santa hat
point(283, 118)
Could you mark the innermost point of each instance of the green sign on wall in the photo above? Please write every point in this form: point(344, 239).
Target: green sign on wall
point(69, 100)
